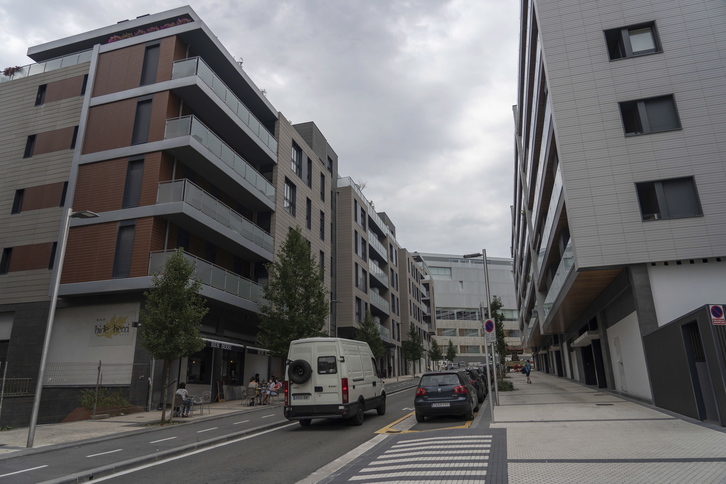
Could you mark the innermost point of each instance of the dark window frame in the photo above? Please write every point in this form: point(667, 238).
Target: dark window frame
point(289, 199)
point(5, 260)
point(659, 200)
point(150, 65)
point(308, 214)
point(29, 146)
point(639, 120)
point(75, 138)
point(18, 201)
point(123, 254)
point(142, 120)
point(134, 181)
point(619, 45)
point(40, 96)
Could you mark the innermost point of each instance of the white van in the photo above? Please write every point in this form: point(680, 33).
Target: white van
point(332, 378)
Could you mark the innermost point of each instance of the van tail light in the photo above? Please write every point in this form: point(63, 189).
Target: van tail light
point(287, 392)
point(344, 387)
point(460, 389)
point(420, 392)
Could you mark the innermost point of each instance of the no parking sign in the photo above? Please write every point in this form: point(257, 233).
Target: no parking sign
point(717, 314)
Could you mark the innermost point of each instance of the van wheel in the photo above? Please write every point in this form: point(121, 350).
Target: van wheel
point(299, 371)
point(358, 417)
point(305, 422)
point(381, 409)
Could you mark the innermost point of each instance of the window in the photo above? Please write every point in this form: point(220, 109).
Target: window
point(322, 225)
point(309, 214)
point(182, 239)
point(330, 165)
point(5, 261)
point(75, 137)
point(321, 261)
point(85, 83)
point(296, 162)
point(668, 199)
point(63, 195)
point(450, 332)
point(327, 365)
point(309, 174)
point(29, 146)
point(469, 333)
point(632, 41)
point(132, 190)
point(52, 256)
point(18, 201)
point(124, 249)
point(142, 122)
point(470, 349)
point(289, 198)
point(40, 96)
point(322, 187)
point(151, 64)
point(362, 218)
point(652, 115)
point(440, 272)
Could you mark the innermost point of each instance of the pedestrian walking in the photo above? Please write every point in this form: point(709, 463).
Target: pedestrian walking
point(527, 370)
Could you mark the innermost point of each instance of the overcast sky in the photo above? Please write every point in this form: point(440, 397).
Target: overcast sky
point(415, 96)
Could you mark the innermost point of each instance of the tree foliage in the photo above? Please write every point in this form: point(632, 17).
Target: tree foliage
point(413, 348)
point(368, 331)
point(435, 352)
point(451, 351)
point(498, 318)
point(295, 304)
point(171, 318)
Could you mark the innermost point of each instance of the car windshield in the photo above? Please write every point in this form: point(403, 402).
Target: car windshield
point(439, 380)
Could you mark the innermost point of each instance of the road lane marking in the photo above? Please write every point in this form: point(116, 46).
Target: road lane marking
point(344, 460)
point(24, 470)
point(268, 416)
point(243, 421)
point(162, 440)
point(198, 451)
point(388, 429)
point(207, 430)
point(104, 453)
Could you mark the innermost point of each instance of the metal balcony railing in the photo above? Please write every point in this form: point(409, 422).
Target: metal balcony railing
point(191, 126)
point(50, 65)
point(213, 276)
point(195, 66)
point(187, 192)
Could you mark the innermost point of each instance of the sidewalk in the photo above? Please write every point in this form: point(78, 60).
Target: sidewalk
point(47, 436)
point(560, 431)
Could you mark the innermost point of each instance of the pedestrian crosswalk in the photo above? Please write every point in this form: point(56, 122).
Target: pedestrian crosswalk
point(461, 459)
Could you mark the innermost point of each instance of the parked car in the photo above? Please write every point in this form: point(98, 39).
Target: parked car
point(445, 393)
point(477, 379)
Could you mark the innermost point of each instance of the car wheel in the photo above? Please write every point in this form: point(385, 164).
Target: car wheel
point(381, 409)
point(305, 422)
point(299, 371)
point(358, 417)
point(478, 406)
point(469, 414)
point(420, 418)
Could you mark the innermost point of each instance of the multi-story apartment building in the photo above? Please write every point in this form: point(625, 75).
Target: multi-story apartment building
point(619, 211)
point(367, 268)
point(460, 287)
point(151, 124)
point(416, 305)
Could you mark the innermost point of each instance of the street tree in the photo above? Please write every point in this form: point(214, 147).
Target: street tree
point(413, 348)
point(498, 318)
point(368, 331)
point(295, 301)
point(171, 318)
point(435, 352)
point(451, 351)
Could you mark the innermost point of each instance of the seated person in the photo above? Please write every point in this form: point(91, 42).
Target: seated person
point(252, 390)
point(272, 388)
point(186, 398)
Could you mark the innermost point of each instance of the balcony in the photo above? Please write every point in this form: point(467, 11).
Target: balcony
point(563, 270)
point(214, 276)
point(377, 246)
point(378, 273)
point(195, 66)
point(549, 221)
point(382, 228)
point(191, 126)
point(379, 302)
point(385, 333)
point(51, 65)
point(189, 193)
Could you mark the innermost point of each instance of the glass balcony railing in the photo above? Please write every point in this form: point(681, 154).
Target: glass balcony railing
point(377, 272)
point(190, 125)
point(195, 66)
point(379, 301)
point(188, 192)
point(213, 276)
point(51, 65)
point(347, 181)
point(549, 221)
point(563, 270)
point(376, 244)
point(385, 332)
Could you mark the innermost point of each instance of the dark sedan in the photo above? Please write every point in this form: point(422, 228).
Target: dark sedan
point(477, 379)
point(445, 393)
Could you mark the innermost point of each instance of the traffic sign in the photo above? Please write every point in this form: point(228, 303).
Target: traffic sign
point(489, 325)
point(717, 314)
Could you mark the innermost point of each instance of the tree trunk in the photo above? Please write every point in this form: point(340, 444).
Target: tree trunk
point(164, 391)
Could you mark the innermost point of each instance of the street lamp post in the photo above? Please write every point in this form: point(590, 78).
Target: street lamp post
point(55, 286)
point(483, 255)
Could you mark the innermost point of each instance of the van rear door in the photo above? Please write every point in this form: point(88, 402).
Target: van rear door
point(326, 375)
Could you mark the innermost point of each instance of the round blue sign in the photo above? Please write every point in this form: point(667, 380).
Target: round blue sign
point(489, 325)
